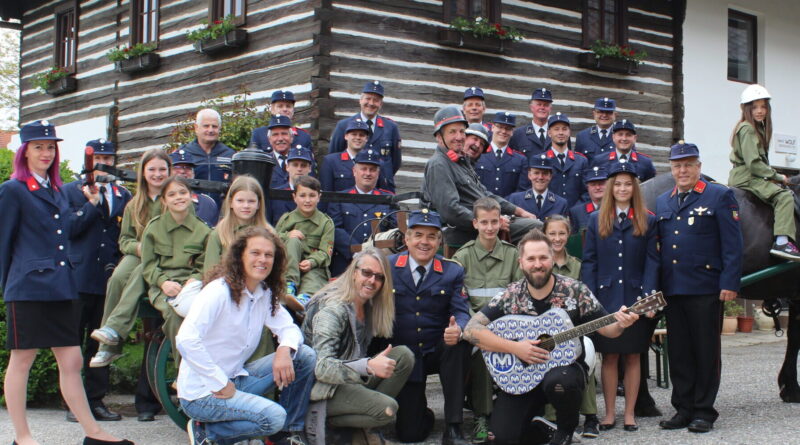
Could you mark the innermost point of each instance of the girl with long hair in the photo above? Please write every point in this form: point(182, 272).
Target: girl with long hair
point(342, 318)
point(126, 285)
point(620, 264)
point(558, 229)
point(751, 170)
point(36, 275)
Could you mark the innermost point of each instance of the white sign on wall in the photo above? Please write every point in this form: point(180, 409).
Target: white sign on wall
point(785, 143)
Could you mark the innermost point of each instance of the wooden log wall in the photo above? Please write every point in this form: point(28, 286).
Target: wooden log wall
point(395, 42)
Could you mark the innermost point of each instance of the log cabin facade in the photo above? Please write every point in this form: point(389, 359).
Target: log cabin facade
point(325, 50)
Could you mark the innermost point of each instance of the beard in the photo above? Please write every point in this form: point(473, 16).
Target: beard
point(539, 282)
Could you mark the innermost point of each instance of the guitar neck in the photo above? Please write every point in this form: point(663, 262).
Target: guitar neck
point(584, 329)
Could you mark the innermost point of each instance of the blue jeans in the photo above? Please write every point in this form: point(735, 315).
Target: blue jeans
point(247, 415)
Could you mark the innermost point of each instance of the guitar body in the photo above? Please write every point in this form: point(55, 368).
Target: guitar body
point(513, 375)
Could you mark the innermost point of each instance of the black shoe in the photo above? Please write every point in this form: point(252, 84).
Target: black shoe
point(675, 423)
point(590, 427)
point(561, 438)
point(647, 411)
point(630, 428)
point(71, 417)
point(146, 416)
point(90, 441)
point(608, 426)
point(452, 435)
point(700, 426)
point(103, 414)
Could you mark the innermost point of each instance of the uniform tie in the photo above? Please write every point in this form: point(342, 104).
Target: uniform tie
point(283, 161)
point(561, 159)
point(369, 122)
point(682, 197)
point(421, 271)
point(623, 157)
point(622, 217)
point(104, 201)
point(539, 200)
point(541, 136)
point(603, 134)
point(499, 154)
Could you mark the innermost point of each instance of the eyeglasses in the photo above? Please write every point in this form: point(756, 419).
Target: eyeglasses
point(366, 273)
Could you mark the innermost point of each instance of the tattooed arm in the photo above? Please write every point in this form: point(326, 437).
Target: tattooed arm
point(479, 335)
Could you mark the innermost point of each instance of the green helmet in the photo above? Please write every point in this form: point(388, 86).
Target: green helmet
point(448, 115)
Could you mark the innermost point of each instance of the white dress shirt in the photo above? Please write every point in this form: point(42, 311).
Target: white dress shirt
point(218, 335)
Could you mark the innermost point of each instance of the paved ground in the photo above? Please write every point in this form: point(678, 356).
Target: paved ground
point(751, 412)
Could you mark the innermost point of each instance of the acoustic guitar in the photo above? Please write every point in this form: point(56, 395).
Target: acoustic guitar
point(557, 335)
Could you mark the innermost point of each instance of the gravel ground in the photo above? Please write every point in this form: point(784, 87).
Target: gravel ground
point(750, 410)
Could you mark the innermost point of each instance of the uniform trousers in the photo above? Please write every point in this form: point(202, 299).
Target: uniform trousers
point(450, 362)
point(124, 289)
point(309, 282)
point(781, 199)
point(693, 333)
point(95, 380)
point(562, 387)
point(172, 321)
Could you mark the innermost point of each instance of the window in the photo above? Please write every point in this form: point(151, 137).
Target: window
point(489, 9)
point(604, 20)
point(741, 47)
point(66, 44)
point(144, 21)
point(223, 8)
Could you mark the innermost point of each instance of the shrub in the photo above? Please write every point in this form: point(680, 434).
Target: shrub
point(43, 80)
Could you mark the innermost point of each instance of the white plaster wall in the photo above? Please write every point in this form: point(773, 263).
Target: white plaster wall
point(712, 101)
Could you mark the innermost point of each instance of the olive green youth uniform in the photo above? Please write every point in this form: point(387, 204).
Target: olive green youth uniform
point(316, 247)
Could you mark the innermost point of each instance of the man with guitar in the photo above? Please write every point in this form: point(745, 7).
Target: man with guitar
point(561, 386)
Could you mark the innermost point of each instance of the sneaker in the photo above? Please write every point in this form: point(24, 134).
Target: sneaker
point(291, 288)
point(480, 429)
point(293, 438)
point(197, 433)
point(590, 426)
point(303, 299)
point(103, 359)
point(787, 251)
point(106, 336)
point(551, 429)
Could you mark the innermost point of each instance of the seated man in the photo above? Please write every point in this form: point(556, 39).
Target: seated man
point(595, 180)
point(624, 135)
point(568, 166)
point(597, 138)
point(539, 200)
point(298, 163)
point(502, 170)
point(336, 172)
point(562, 386)
point(204, 207)
point(281, 103)
point(489, 265)
point(352, 221)
point(429, 312)
point(476, 142)
point(279, 134)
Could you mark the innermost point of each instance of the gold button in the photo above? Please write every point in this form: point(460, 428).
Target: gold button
point(678, 218)
point(708, 266)
point(417, 314)
point(418, 298)
point(676, 232)
point(674, 261)
point(419, 329)
point(420, 345)
point(441, 291)
point(674, 246)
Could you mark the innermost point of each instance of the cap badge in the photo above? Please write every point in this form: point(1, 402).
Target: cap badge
point(377, 82)
point(101, 140)
point(44, 122)
point(424, 211)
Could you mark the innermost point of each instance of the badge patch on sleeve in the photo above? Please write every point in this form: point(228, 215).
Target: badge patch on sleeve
point(735, 215)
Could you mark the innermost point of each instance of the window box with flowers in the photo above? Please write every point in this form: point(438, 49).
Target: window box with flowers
point(612, 58)
point(218, 36)
point(134, 59)
point(480, 34)
point(54, 81)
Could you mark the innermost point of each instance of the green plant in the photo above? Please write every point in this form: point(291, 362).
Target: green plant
point(733, 309)
point(239, 118)
point(43, 80)
point(602, 49)
point(129, 52)
point(482, 27)
point(212, 30)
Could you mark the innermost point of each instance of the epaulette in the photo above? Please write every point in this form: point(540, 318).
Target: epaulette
point(579, 154)
point(507, 243)
point(388, 192)
point(650, 213)
point(643, 154)
point(304, 131)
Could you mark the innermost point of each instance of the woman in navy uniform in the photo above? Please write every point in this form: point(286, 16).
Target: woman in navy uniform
point(94, 234)
point(620, 264)
point(36, 274)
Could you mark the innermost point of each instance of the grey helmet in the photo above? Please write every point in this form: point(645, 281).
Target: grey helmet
point(447, 115)
point(478, 130)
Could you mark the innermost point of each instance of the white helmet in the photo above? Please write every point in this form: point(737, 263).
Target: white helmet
point(754, 92)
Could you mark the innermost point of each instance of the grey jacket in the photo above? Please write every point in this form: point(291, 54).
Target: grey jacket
point(330, 328)
point(451, 187)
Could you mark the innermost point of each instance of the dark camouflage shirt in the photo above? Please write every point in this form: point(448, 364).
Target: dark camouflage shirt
point(569, 294)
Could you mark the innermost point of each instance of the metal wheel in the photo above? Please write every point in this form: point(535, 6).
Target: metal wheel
point(165, 375)
point(150, 356)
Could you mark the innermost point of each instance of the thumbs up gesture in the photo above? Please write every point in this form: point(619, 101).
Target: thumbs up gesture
point(381, 365)
point(452, 333)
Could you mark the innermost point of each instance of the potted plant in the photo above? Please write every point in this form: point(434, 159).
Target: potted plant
point(744, 322)
point(54, 81)
point(612, 58)
point(134, 59)
point(732, 309)
point(479, 34)
point(218, 36)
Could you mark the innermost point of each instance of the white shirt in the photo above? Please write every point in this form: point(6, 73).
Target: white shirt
point(44, 182)
point(495, 148)
point(217, 337)
point(536, 129)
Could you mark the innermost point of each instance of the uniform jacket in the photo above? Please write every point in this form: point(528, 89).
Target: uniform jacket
point(526, 141)
point(214, 250)
point(172, 251)
point(644, 165)
point(385, 138)
point(421, 315)
point(205, 208)
point(278, 207)
point(213, 166)
point(505, 176)
point(552, 204)
point(128, 238)
point(621, 267)
point(318, 231)
point(451, 187)
point(700, 241)
point(299, 136)
point(751, 167)
point(572, 268)
point(487, 273)
point(579, 215)
point(567, 182)
point(336, 173)
point(94, 236)
point(36, 261)
point(588, 142)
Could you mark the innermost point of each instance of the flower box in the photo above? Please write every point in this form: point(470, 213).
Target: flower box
point(144, 62)
point(62, 86)
point(608, 64)
point(457, 39)
point(233, 39)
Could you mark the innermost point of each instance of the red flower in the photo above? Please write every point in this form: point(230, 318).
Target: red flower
point(497, 26)
point(217, 22)
point(501, 32)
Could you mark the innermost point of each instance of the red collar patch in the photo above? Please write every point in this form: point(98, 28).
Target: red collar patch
point(509, 150)
point(612, 155)
point(630, 213)
point(674, 190)
point(590, 207)
point(33, 184)
point(437, 266)
point(489, 149)
point(453, 156)
point(345, 156)
point(551, 153)
point(353, 191)
point(379, 121)
point(195, 198)
point(294, 131)
point(402, 260)
point(700, 187)
point(634, 156)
